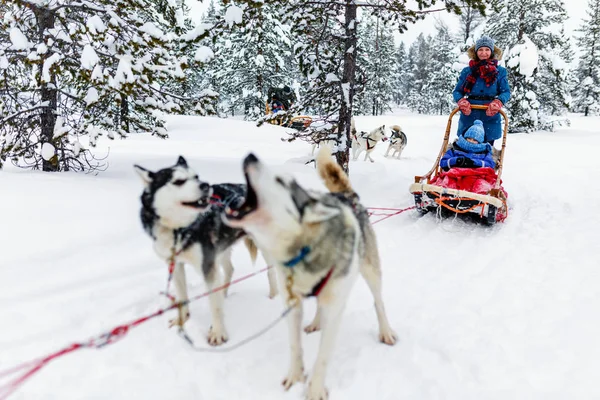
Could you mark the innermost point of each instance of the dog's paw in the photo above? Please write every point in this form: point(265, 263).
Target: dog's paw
point(313, 327)
point(295, 375)
point(181, 319)
point(388, 337)
point(316, 392)
point(217, 337)
point(273, 293)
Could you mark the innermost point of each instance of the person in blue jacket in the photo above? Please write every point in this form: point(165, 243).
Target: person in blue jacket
point(470, 150)
point(483, 82)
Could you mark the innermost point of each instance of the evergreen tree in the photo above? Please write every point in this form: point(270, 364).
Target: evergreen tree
point(437, 92)
point(376, 62)
point(72, 72)
point(540, 90)
point(252, 60)
point(587, 92)
point(399, 74)
point(470, 19)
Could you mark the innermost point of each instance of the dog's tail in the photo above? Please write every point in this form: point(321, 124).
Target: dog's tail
point(396, 128)
point(252, 249)
point(332, 174)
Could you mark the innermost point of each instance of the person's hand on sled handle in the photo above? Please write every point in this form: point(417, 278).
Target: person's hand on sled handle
point(464, 106)
point(493, 108)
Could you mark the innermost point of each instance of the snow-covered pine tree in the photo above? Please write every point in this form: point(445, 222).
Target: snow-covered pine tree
point(586, 95)
point(252, 59)
point(470, 19)
point(437, 91)
point(525, 29)
point(377, 51)
point(74, 71)
point(399, 73)
point(422, 70)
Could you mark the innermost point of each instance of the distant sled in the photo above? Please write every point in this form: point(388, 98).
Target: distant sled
point(464, 190)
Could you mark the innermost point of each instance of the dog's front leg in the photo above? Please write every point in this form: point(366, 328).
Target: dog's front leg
point(225, 262)
point(388, 151)
point(296, 371)
point(331, 315)
point(217, 334)
point(315, 325)
point(272, 282)
point(372, 275)
point(181, 295)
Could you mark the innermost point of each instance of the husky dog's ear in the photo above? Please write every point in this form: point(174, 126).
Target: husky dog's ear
point(319, 213)
point(300, 196)
point(146, 175)
point(181, 161)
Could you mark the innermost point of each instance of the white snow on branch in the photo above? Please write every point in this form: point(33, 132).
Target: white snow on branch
point(48, 151)
point(59, 128)
point(91, 96)
point(204, 54)
point(331, 78)
point(89, 58)
point(233, 15)
point(95, 24)
point(50, 61)
point(525, 56)
point(19, 40)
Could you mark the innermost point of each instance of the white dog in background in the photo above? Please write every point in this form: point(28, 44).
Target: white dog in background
point(366, 141)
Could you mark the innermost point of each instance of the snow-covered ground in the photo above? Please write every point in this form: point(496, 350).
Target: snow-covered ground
point(507, 312)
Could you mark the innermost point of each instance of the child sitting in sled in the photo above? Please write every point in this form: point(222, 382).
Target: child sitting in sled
point(469, 151)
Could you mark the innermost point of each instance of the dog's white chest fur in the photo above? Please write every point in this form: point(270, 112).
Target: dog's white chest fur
point(165, 246)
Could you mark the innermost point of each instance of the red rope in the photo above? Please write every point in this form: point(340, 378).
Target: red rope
point(120, 331)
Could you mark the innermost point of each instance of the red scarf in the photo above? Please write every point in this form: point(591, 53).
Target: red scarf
point(486, 69)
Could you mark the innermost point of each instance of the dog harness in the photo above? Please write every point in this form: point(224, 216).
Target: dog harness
point(299, 258)
point(367, 138)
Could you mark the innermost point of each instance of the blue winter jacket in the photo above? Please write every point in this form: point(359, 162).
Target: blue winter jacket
point(499, 89)
point(481, 160)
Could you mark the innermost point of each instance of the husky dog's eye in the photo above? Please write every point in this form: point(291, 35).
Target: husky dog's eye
point(179, 182)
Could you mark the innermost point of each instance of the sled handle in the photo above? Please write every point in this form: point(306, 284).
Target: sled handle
point(436, 165)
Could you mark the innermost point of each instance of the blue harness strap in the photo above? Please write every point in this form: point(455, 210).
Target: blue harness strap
point(294, 261)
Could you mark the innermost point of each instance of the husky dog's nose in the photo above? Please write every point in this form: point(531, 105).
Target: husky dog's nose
point(250, 159)
point(204, 186)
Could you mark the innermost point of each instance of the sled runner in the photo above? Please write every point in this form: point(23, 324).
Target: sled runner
point(281, 99)
point(464, 190)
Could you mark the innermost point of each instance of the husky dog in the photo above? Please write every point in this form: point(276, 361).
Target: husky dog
point(398, 141)
point(366, 141)
point(318, 244)
point(178, 215)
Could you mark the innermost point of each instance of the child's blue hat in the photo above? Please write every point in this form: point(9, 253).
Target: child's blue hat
point(476, 131)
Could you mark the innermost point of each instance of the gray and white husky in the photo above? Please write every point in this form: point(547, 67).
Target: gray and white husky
point(366, 141)
point(177, 213)
point(398, 142)
point(318, 242)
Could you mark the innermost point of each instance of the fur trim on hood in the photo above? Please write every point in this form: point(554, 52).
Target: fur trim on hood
point(473, 54)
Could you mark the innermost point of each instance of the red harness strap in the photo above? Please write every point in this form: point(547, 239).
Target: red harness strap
point(319, 287)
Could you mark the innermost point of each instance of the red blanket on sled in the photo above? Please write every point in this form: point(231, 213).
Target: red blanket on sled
point(475, 180)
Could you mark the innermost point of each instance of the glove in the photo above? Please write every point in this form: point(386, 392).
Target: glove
point(493, 108)
point(465, 106)
point(460, 161)
point(468, 163)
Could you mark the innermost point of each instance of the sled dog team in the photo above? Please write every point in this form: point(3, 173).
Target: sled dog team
point(317, 243)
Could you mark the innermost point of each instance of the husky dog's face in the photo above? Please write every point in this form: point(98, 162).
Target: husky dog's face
point(379, 134)
point(175, 194)
point(276, 206)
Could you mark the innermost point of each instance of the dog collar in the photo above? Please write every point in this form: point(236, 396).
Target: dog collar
point(294, 261)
